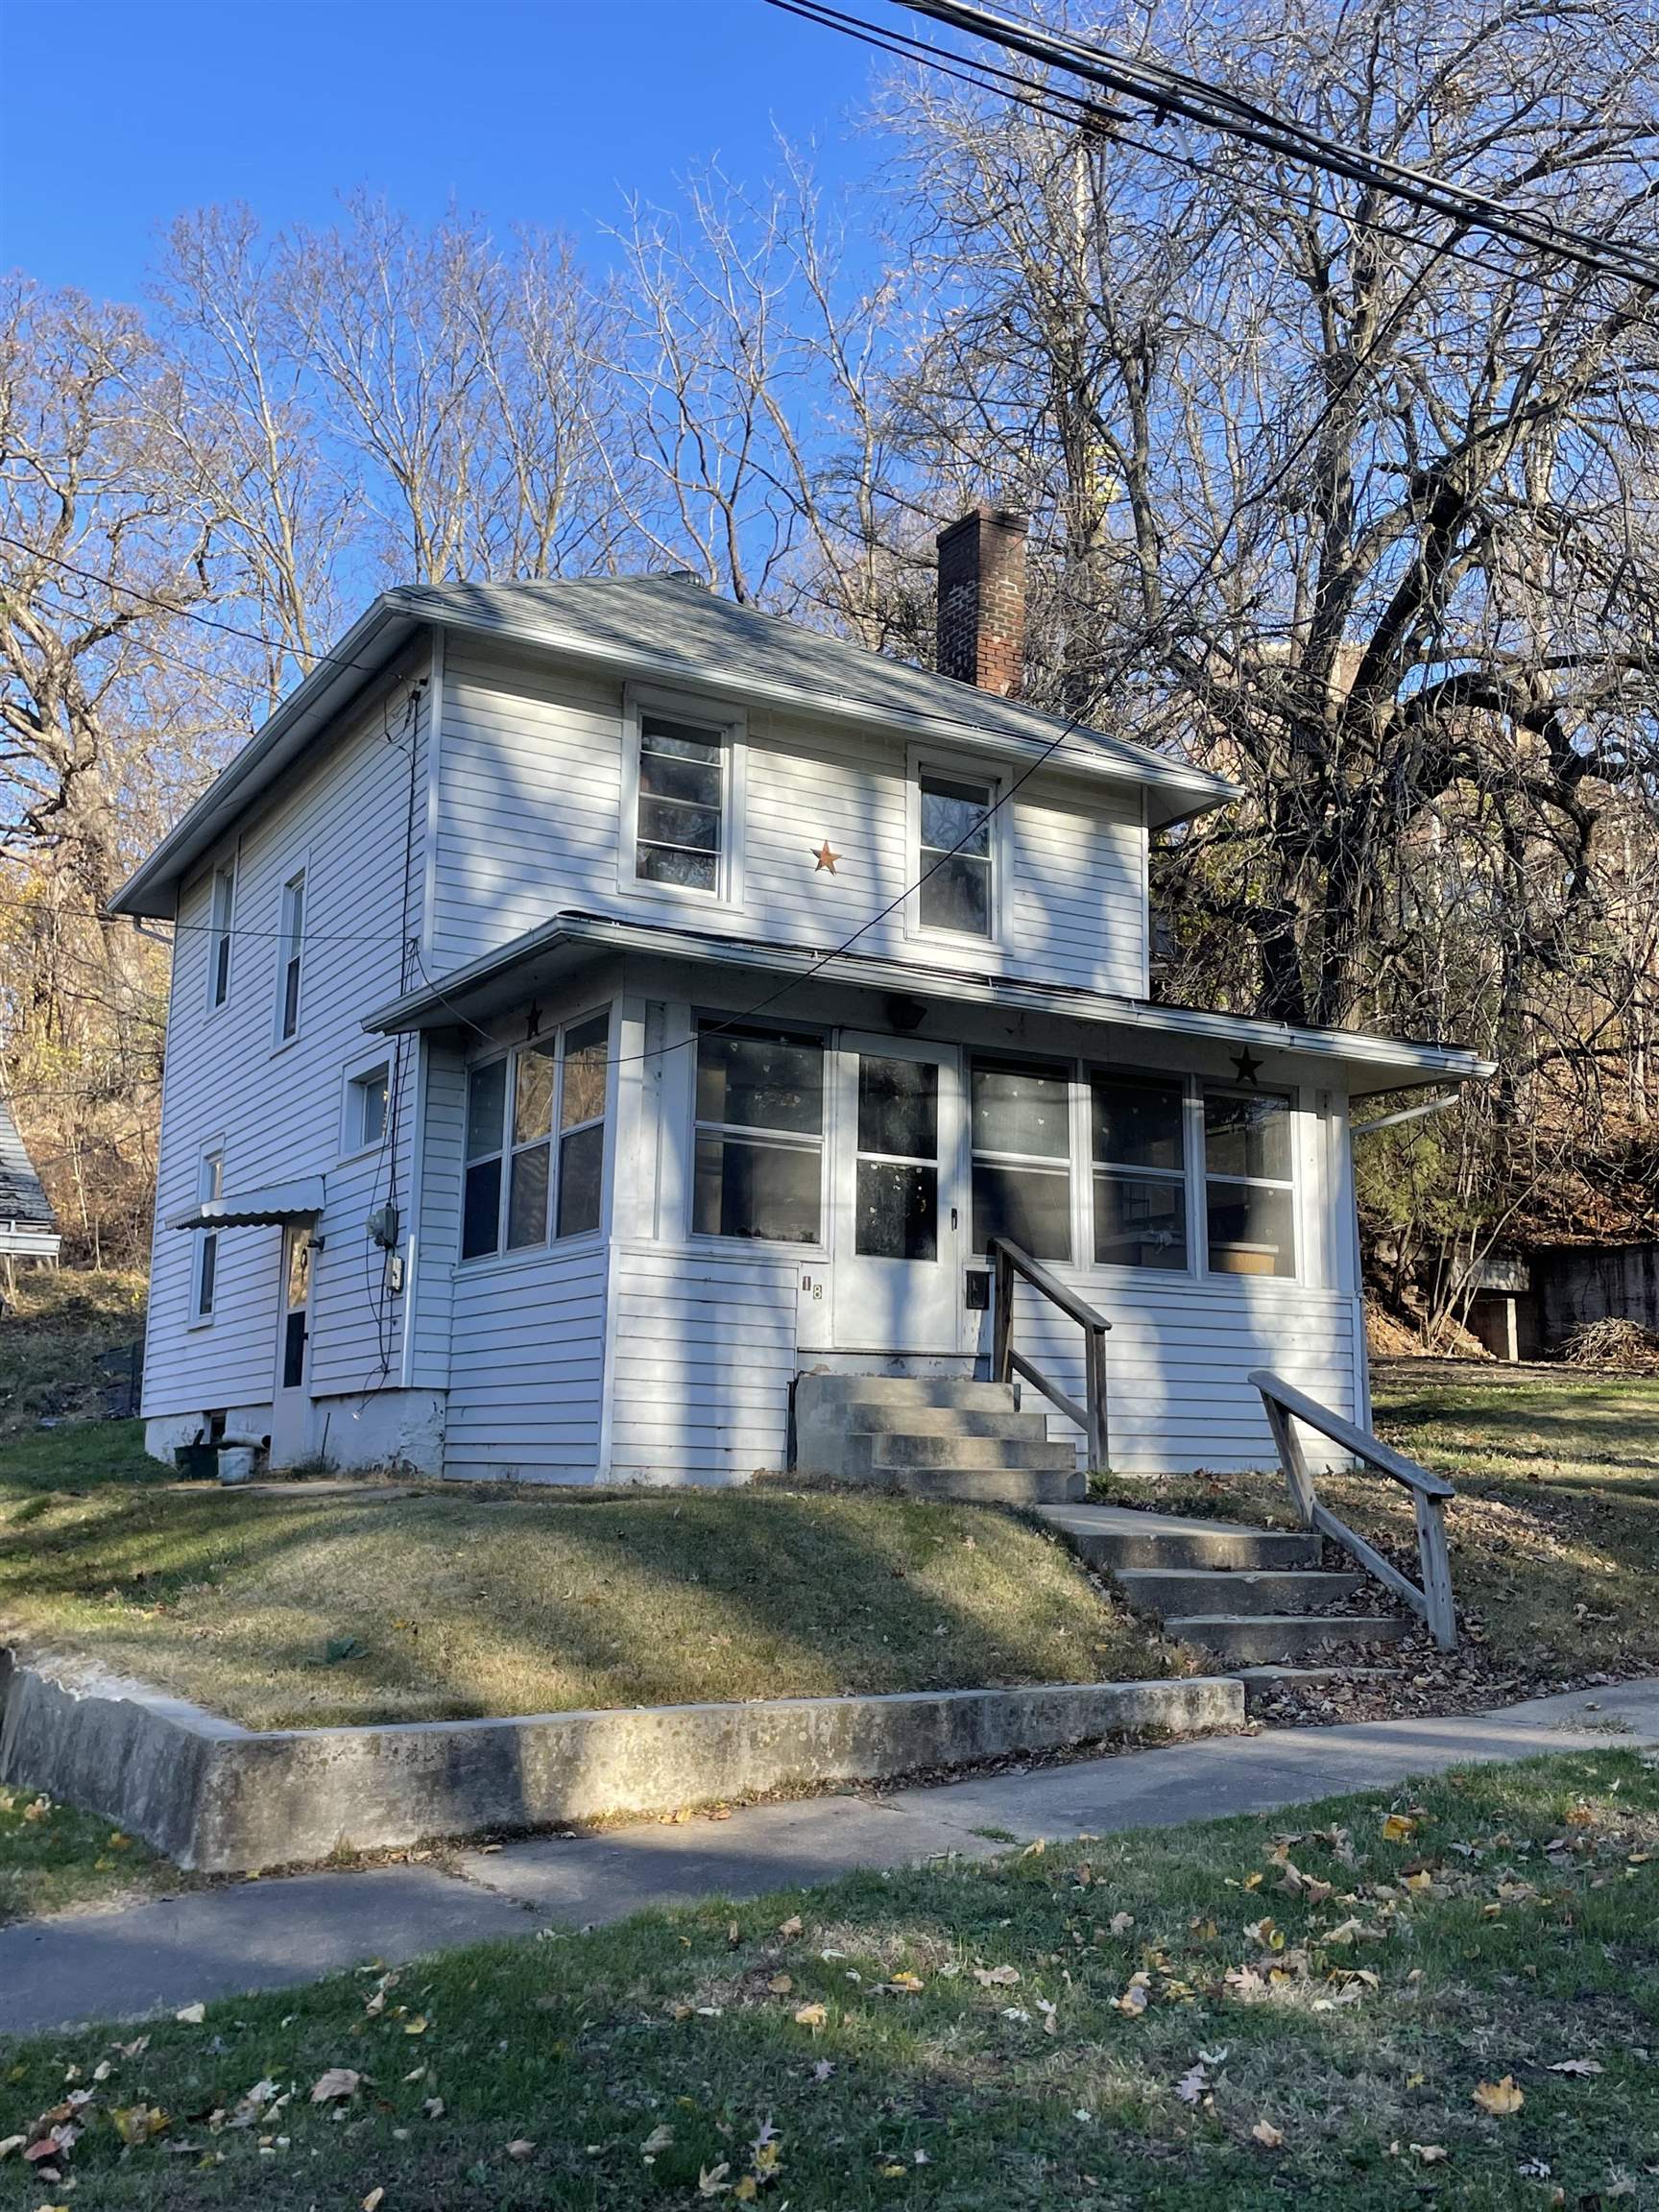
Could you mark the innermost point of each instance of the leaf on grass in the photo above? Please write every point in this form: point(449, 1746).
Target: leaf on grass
point(376, 2198)
point(520, 2147)
point(791, 1926)
point(659, 2139)
point(137, 2124)
point(810, 2015)
point(1192, 2084)
point(780, 1984)
point(1498, 2098)
point(712, 2181)
point(1136, 1998)
point(1120, 1923)
point(903, 1983)
point(1397, 1827)
point(1574, 2067)
point(433, 2107)
point(1430, 2154)
point(1267, 2135)
point(192, 2015)
point(336, 2082)
point(997, 1977)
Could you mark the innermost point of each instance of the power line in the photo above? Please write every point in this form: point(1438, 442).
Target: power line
point(1167, 90)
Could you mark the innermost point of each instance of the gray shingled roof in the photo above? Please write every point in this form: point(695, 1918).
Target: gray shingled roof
point(21, 1197)
point(676, 621)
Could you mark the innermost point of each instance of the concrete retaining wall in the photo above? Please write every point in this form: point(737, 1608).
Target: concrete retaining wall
point(221, 1799)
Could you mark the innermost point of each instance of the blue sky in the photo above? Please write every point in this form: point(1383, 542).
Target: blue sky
point(542, 111)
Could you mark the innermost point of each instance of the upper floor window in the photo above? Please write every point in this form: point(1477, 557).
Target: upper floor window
point(290, 955)
point(759, 1144)
point(1250, 1200)
point(1022, 1123)
point(681, 825)
point(955, 862)
point(210, 1189)
point(368, 1096)
point(1140, 1149)
point(536, 1142)
point(219, 939)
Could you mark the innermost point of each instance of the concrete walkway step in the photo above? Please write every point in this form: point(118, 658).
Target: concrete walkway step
point(1026, 1488)
point(894, 1448)
point(1122, 1537)
point(1195, 1591)
point(873, 1416)
point(844, 1390)
point(1269, 1680)
point(1251, 1639)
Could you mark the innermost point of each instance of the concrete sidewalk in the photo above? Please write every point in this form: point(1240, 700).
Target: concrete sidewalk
point(266, 1934)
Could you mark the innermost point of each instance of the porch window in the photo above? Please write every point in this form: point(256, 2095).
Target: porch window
point(536, 1142)
point(896, 1202)
point(1250, 1198)
point(681, 821)
point(1139, 1152)
point(958, 889)
point(1021, 1122)
point(210, 1187)
point(760, 1136)
point(219, 943)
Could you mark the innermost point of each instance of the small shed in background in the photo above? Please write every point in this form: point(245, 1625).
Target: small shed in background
point(28, 1225)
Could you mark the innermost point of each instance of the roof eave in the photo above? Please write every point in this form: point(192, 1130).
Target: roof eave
point(1180, 792)
point(373, 640)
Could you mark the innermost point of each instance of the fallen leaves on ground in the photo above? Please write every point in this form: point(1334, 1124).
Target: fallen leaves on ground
point(336, 2082)
point(1500, 2097)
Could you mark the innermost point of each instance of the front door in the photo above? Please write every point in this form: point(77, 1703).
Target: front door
point(291, 1400)
point(900, 1216)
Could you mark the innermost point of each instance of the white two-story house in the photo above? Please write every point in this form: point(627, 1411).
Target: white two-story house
point(596, 1003)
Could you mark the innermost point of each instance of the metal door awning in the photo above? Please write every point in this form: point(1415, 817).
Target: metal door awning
point(276, 1202)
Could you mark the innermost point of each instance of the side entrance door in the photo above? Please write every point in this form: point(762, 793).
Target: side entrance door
point(291, 1398)
point(900, 1213)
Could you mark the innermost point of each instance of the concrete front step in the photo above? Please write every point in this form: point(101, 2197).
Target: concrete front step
point(897, 1448)
point(1120, 1538)
point(1268, 1681)
point(1194, 1592)
point(844, 1390)
point(1024, 1487)
point(873, 1415)
point(1247, 1640)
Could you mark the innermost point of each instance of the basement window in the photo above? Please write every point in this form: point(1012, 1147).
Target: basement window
point(1250, 1197)
point(1022, 1124)
point(759, 1139)
point(1140, 1151)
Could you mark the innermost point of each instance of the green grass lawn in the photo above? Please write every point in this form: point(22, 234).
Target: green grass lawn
point(342, 1607)
point(1447, 1996)
point(52, 1340)
point(1555, 1531)
point(54, 1858)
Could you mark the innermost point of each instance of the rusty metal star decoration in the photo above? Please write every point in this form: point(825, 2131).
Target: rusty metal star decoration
point(824, 857)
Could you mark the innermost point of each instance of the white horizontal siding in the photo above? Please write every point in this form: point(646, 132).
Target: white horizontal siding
point(530, 821)
point(526, 1366)
point(705, 1357)
point(278, 1109)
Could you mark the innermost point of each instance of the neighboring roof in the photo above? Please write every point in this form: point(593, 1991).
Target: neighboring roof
point(671, 629)
point(22, 1197)
point(528, 963)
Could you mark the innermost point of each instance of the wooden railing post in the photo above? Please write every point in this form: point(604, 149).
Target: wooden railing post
point(1435, 1564)
point(1003, 1319)
point(1095, 1354)
point(1291, 1459)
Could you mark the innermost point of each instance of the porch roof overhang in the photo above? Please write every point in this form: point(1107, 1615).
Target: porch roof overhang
point(527, 964)
point(301, 1200)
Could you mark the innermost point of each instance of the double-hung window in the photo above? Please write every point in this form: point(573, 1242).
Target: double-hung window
point(1022, 1123)
point(760, 1140)
point(956, 865)
point(219, 937)
point(1250, 1198)
point(536, 1142)
point(1139, 1153)
point(209, 1190)
point(290, 955)
point(368, 1096)
point(679, 826)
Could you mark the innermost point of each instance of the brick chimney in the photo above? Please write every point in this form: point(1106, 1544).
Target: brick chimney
point(981, 636)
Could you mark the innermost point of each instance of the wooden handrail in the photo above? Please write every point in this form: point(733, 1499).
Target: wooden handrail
point(1432, 1604)
point(1005, 1362)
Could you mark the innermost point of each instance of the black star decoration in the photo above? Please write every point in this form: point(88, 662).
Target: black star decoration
point(824, 857)
point(1248, 1067)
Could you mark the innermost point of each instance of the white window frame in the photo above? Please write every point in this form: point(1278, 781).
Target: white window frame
point(503, 1254)
point(1194, 1221)
point(221, 932)
point(291, 950)
point(964, 768)
point(732, 723)
point(1292, 1184)
point(209, 1186)
point(353, 1144)
point(827, 1043)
